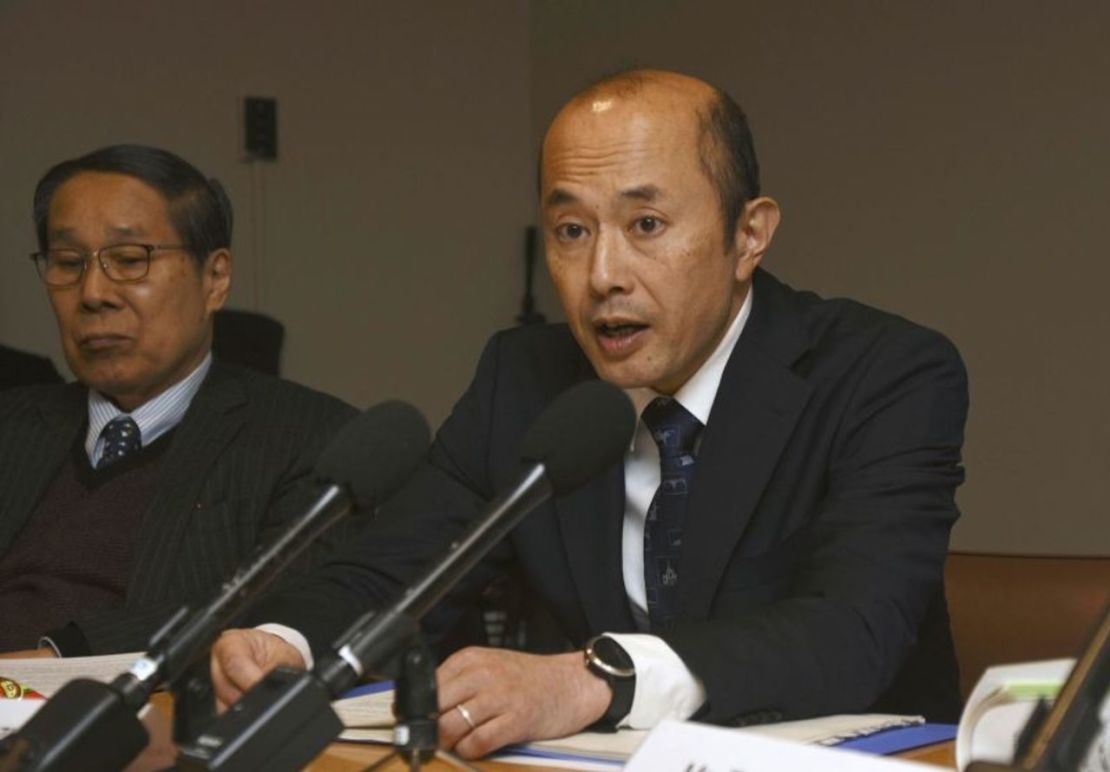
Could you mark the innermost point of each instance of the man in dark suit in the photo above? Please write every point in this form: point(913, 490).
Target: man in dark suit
point(772, 546)
point(142, 485)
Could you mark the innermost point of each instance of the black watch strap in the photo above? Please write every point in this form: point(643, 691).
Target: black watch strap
point(608, 660)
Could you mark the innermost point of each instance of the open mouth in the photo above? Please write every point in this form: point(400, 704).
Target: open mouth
point(618, 330)
point(619, 338)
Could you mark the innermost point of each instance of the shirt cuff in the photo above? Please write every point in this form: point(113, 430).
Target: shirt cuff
point(665, 687)
point(293, 638)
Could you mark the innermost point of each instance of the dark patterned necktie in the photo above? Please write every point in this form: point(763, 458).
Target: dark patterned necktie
point(121, 438)
point(675, 431)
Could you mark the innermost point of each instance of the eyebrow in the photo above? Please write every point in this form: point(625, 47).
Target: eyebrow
point(559, 196)
point(66, 232)
point(642, 193)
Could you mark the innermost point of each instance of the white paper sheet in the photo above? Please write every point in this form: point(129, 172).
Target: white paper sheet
point(679, 746)
point(47, 675)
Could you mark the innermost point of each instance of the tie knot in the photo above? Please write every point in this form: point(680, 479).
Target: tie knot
point(121, 437)
point(672, 426)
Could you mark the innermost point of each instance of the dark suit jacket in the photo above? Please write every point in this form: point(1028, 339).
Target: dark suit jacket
point(815, 534)
point(238, 467)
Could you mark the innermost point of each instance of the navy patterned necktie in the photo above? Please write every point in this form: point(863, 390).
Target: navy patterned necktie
point(121, 438)
point(675, 431)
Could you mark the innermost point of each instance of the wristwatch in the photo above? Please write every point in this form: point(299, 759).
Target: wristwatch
point(606, 659)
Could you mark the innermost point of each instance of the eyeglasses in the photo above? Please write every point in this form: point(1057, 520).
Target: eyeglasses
point(120, 262)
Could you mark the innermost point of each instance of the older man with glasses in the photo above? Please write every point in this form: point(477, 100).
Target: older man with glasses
point(142, 485)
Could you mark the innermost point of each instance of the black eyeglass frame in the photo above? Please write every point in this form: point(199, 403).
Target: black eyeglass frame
point(40, 260)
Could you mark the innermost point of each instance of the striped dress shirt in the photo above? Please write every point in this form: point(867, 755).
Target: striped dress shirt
point(154, 418)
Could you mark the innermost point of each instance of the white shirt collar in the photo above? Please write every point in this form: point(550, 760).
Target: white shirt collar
point(698, 393)
point(154, 417)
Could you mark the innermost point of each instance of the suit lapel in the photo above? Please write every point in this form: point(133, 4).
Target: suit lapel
point(757, 405)
point(53, 430)
point(212, 422)
point(591, 520)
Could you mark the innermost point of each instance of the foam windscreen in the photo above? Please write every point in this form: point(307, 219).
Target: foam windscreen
point(376, 453)
point(582, 433)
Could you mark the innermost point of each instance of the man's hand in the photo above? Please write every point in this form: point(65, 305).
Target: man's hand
point(241, 657)
point(512, 697)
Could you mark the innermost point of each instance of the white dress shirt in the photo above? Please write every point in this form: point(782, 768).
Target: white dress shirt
point(665, 687)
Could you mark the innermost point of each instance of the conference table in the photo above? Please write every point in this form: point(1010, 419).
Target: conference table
point(348, 757)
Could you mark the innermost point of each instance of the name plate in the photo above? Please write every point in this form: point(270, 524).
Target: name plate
point(683, 746)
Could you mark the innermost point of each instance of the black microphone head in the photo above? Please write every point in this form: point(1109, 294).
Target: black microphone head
point(583, 432)
point(376, 452)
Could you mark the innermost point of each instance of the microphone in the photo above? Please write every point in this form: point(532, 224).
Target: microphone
point(376, 453)
point(583, 432)
point(89, 725)
point(586, 429)
point(286, 719)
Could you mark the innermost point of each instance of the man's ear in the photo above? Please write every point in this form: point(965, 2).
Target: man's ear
point(754, 231)
point(217, 279)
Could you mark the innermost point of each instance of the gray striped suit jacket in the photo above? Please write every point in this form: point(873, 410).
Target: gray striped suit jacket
point(238, 468)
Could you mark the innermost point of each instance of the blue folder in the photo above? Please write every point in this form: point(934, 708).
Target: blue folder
point(904, 738)
point(372, 688)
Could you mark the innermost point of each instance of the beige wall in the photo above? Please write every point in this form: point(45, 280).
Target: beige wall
point(392, 222)
point(948, 161)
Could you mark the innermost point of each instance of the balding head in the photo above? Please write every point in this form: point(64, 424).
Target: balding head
point(724, 143)
point(650, 237)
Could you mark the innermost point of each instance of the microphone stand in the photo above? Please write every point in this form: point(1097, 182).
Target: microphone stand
point(416, 706)
point(287, 719)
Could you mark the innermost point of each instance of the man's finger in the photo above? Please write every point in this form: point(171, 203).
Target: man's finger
point(457, 690)
point(234, 665)
point(488, 737)
point(241, 670)
point(452, 728)
point(459, 684)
